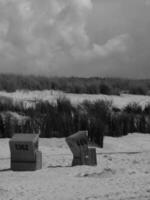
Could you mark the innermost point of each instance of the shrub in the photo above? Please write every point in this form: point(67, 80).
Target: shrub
point(133, 108)
point(105, 89)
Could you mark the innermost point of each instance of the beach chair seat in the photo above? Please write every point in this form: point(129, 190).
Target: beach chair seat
point(78, 144)
point(24, 152)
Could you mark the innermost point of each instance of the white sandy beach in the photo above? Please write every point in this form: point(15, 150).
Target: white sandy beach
point(122, 173)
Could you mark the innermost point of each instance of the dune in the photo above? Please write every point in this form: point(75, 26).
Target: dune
point(29, 98)
point(122, 173)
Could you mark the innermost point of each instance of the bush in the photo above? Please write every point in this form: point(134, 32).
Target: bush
point(63, 119)
point(142, 90)
point(93, 85)
point(105, 89)
point(133, 108)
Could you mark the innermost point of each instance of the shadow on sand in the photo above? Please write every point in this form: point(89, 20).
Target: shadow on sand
point(5, 170)
point(58, 166)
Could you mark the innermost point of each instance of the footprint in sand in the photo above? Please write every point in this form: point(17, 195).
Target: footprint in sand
point(106, 173)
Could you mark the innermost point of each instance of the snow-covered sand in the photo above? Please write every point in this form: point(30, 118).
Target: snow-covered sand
point(122, 173)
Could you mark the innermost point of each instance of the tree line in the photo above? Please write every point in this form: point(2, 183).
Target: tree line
point(62, 119)
point(94, 85)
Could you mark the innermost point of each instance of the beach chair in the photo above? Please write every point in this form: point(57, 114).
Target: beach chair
point(25, 155)
point(82, 154)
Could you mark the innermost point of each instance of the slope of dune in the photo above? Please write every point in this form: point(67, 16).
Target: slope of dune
point(122, 173)
point(31, 97)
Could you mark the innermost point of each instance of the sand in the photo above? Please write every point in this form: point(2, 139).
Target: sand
point(29, 98)
point(122, 173)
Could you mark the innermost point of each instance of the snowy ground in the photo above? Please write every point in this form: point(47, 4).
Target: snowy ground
point(122, 173)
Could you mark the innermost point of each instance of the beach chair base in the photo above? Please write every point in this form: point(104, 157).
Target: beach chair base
point(28, 165)
point(86, 158)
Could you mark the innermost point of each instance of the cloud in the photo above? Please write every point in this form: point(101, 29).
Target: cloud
point(43, 37)
point(36, 34)
point(116, 45)
point(147, 2)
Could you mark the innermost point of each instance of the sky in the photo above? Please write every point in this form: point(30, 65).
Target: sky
point(106, 38)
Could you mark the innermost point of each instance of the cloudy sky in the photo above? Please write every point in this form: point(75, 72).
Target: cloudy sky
point(75, 37)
